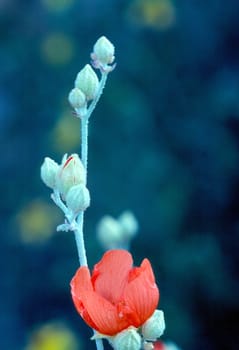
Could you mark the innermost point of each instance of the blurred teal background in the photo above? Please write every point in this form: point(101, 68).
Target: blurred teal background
point(163, 143)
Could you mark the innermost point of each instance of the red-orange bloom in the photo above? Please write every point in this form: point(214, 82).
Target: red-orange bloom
point(117, 295)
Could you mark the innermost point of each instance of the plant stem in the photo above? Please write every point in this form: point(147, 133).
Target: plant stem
point(84, 143)
point(79, 237)
point(57, 200)
point(99, 344)
point(96, 99)
point(78, 231)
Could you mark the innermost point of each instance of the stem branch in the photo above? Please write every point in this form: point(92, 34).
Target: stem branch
point(99, 93)
point(79, 237)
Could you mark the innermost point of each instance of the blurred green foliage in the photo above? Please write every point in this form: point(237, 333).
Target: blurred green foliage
point(163, 143)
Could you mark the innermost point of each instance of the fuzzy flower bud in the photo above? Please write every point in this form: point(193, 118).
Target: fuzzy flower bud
point(129, 339)
point(104, 51)
point(78, 198)
point(76, 98)
point(154, 327)
point(128, 224)
point(87, 81)
point(70, 173)
point(49, 170)
point(109, 232)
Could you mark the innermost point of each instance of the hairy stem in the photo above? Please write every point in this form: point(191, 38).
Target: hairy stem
point(99, 344)
point(84, 143)
point(99, 93)
point(79, 237)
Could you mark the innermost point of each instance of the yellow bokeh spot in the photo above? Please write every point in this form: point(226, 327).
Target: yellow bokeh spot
point(57, 49)
point(37, 221)
point(66, 134)
point(159, 14)
point(57, 5)
point(53, 336)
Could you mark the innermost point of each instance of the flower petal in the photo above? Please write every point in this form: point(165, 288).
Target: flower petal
point(141, 294)
point(96, 311)
point(110, 275)
point(81, 281)
point(103, 314)
point(80, 285)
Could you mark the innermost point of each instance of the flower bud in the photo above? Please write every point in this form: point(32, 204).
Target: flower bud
point(76, 98)
point(78, 198)
point(129, 339)
point(109, 232)
point(49, 170)
point(154, 327)
point(87, 81)
point(71, 173)
point(129, 224)
point(104, 51)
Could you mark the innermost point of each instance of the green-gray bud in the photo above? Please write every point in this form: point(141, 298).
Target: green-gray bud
point(128, 224)
point(87, 81)
point(109, 232)
point(49, 170)
point(70, 173)
point(104, 51)
point(78, 198)
point(77, 98)
point(154, 327)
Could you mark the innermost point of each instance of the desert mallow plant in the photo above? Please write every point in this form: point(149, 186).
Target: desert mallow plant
point(117, 300)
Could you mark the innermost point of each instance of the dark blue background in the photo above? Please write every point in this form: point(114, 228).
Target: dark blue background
point(163, 143)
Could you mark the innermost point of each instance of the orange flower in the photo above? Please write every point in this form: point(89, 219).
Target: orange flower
point(117, 295)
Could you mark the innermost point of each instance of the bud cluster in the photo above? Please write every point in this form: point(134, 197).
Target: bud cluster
point(68, 179)
point(85, 89)
point(87, 83)
point(117, 233)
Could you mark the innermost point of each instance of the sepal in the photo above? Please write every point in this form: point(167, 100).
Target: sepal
point(128, 339)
